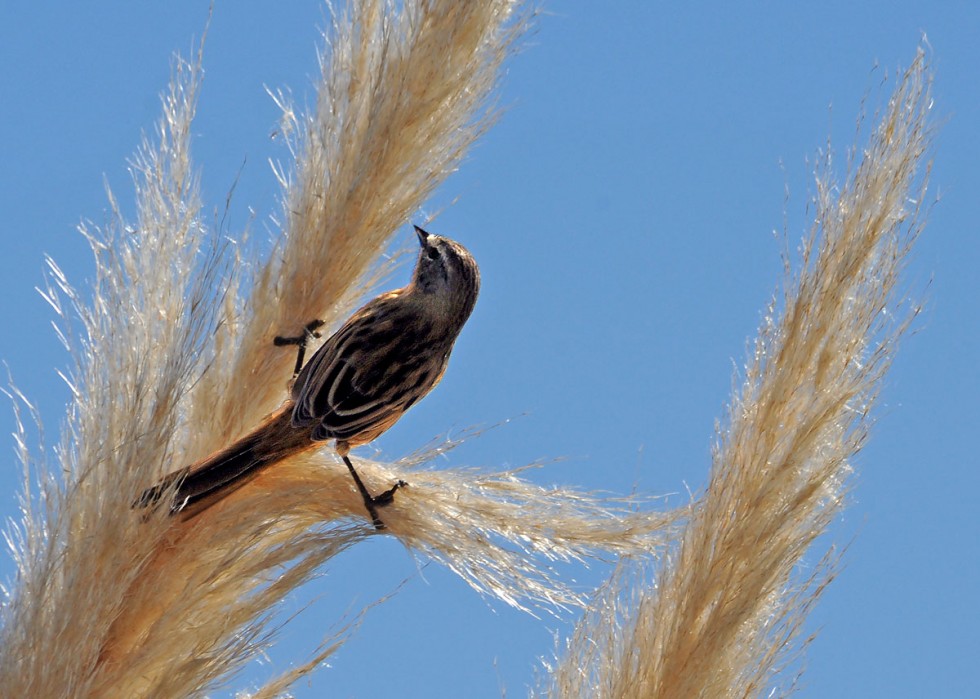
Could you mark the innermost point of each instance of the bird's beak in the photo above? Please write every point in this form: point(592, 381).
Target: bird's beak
point(423, 237)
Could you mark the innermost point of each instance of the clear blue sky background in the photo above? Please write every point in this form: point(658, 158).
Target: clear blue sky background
point(622, 213)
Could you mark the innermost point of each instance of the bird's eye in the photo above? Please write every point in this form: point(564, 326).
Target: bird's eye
point(432, 253)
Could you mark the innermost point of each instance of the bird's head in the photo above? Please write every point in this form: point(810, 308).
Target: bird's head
point(447, 270)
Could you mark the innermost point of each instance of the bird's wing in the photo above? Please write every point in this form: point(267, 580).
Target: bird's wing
point(366, 374)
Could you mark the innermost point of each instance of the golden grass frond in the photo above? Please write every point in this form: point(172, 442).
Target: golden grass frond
point(141, 339)
point(726, 612)
point(494, 529)
point(497, 532)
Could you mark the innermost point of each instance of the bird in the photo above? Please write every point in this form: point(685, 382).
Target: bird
point(383, 359)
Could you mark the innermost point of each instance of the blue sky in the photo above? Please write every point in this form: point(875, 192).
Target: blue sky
point(622, 212)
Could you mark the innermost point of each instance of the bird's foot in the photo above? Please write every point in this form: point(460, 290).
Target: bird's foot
point(387, 497)
point(309, 333)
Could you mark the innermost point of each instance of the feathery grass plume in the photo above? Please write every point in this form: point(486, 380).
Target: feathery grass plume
point(725, 616)
point(492, 529)
point(142, 339)
point(175, 358)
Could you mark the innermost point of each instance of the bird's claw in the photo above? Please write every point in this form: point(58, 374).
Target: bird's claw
point(309, 333)
point(387, 497)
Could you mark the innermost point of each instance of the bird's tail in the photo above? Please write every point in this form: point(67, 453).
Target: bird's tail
point(202, 484)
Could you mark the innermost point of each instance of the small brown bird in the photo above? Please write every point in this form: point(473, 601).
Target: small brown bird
point(385, 358)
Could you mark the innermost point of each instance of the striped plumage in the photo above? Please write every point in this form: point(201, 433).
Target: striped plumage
point(385, 358)
point(390, 353)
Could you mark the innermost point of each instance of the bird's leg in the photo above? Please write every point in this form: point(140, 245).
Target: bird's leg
point(368, 500)
point(309, 333)
point(371, 503)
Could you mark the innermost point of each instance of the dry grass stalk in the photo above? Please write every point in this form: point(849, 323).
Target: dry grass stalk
point(725, 615)
point(173, 358)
